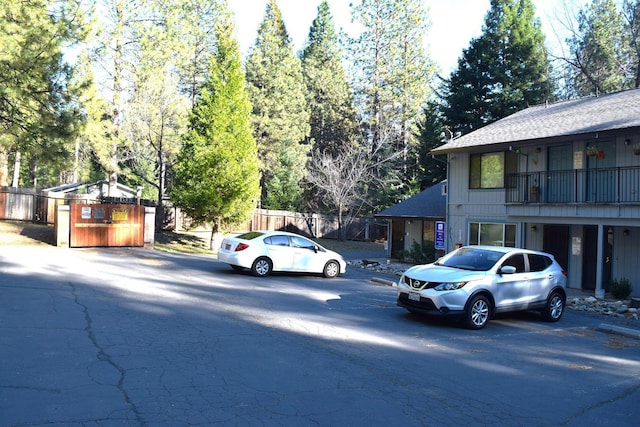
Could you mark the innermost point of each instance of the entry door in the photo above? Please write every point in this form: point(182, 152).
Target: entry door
point(397, 237)
point(590, 257)
point(561, 178)
point(601, 175)
point(555, 240)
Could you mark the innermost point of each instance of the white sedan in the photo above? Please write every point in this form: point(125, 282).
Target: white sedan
point(267, 251)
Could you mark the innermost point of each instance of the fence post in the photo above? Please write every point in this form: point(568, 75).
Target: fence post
point(62, 225)
point(149, 226)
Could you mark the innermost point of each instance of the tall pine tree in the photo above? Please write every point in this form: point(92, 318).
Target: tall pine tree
point(217, 175)
point(333, 122)
point(39, 115)
point(391, 73)
point(429, 169)
point(281, 119)
point(598, 51)
point(504, 70)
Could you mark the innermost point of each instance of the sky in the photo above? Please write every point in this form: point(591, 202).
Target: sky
point(453, 23)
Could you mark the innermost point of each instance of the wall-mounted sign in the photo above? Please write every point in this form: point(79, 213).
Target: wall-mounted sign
point(440, 234)
point(576, 246)
point(85, 213)
point(119, 215)
point(577, 160)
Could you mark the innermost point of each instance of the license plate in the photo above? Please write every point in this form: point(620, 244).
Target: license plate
point(227, 247)
point(414, 296)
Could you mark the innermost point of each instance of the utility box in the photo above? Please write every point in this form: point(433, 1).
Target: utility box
point(109, 225)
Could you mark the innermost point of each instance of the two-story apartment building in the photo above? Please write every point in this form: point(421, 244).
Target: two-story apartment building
point(563, 178)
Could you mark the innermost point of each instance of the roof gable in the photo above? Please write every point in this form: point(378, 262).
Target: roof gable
point(612, 111)
point(429, 203)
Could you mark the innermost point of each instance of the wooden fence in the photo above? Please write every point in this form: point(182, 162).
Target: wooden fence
point(27, 204)
point(39, 206)
point(307, 224)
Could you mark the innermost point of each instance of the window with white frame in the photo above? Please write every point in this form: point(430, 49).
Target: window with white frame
point(492, 234)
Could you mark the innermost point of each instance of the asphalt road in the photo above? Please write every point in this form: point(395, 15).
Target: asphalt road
point(113, 337)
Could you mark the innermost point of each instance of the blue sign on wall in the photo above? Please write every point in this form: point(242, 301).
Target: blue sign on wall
point(440, 234)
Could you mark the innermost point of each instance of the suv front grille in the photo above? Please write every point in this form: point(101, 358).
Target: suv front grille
point(420, 284)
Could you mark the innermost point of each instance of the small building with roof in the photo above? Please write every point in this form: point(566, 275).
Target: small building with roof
point(414, 220)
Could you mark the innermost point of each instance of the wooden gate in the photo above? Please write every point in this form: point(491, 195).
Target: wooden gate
point(106, 225)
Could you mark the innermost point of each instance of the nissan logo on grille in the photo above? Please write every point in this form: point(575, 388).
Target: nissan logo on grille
point(416, 284)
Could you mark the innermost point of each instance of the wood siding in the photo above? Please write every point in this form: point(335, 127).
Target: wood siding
point(106, 225)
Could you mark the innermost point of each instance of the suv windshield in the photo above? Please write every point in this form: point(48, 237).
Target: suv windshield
point(471, 259)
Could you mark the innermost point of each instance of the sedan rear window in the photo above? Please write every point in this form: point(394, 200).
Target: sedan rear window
point(250, 235)
point(277, 240)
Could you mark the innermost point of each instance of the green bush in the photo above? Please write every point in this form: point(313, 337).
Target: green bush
point(419, 254)
point(620, 288)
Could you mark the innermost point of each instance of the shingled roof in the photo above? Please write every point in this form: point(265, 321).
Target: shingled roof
point(608, 112)
point(429, 204)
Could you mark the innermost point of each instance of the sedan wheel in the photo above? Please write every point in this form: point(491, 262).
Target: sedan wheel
point(261, 267)
point(478, 312)
point(554, 308)
point(331, 270)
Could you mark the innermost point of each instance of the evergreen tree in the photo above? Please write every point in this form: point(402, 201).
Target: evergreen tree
point(430, 169)
point(280, 115)
point(328, 94)
point(114, 54)
point(391, 73)
point(190, 25)
point(156, 112)
point(217, 175)
point(599, 50)
point(504, 70)
point(631, 14)
point(38, 103)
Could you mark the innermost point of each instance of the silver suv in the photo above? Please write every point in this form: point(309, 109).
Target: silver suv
point(476, 282)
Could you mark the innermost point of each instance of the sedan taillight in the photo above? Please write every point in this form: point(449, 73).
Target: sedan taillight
point(241, 247)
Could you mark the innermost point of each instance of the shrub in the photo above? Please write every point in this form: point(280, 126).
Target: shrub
point(420, 254)
point(620, 288)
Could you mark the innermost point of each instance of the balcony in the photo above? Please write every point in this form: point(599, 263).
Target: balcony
point(607, 185)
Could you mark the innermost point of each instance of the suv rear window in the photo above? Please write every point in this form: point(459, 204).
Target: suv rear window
point(539, 262)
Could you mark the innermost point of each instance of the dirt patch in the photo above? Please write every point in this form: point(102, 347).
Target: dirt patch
point(26, 233)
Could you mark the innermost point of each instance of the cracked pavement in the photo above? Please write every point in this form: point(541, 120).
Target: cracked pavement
point(136, 337)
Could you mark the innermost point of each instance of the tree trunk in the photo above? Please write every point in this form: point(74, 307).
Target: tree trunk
point(216, 236)
point(16, 170)
point(4, 166)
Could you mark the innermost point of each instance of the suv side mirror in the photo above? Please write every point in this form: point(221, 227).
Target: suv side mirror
point(507, 269)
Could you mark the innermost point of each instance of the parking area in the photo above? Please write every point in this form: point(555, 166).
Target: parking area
point(126, 336)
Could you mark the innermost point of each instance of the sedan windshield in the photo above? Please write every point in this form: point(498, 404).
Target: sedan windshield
point(471, 259)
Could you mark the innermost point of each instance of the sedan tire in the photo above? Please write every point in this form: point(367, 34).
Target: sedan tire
point(552, 312)
point(478, 312)
point(331, 270)
point(261, 267)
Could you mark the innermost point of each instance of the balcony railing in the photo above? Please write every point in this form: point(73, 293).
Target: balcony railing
point(606, 185)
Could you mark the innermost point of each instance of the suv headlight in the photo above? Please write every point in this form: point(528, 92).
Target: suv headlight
point(450, 286)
